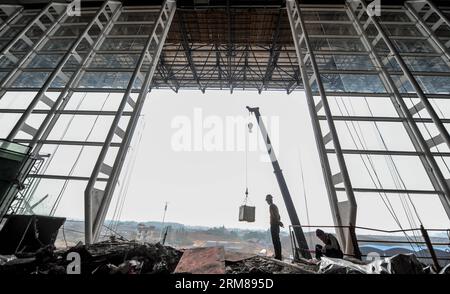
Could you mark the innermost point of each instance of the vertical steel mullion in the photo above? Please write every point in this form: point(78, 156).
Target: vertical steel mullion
point(410, 77)
point(314, 118)
point(417, 139)
point(427, 32)
point(329, 117)
point(11, 16)
point(63, 97)
point(12, 75)
point(132, 123)
point(93, 226)
point(58, 70)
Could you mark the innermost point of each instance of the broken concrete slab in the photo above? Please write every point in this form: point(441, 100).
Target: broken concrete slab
point(265, 265)
point(234, 256)
point(207, 260)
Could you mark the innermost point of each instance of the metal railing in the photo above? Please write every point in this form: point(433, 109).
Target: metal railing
point(418, 246)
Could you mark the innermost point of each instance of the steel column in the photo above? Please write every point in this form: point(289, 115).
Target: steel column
point(432, 169)
point(12, 11)
point(20, 61)
point(150, 53)
point(57, 72)
point(64, 97)
point(300, 37)
point(371, 18)
point(427, 32)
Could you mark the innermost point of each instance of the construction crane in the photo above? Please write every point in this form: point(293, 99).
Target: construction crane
point(298, 232)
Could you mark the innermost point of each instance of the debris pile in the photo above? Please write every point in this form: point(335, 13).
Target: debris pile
point(397, 264)
point(108, 257)
point(264, 265)
point(130, 257)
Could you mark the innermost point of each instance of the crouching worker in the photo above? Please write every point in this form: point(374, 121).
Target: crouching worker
point(331, 247)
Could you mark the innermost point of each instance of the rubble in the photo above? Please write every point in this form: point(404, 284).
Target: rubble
point(265, 265)
point(100, 258)
point(397, 264)
point(131, 257)
point(445, 270)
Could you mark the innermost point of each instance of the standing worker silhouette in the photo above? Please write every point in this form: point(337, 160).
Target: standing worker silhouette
point(275, 224)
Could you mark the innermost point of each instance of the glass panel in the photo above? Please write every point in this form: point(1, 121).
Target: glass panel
point(411, 46)
point(123, 44)
point(115, 61)
point(58, 44)
point(443, 31)
point(324, 15)
point(137, 16)
point(105, 80)
point(435, 84)
point(30, 79)
point(330, 29)
point(394, 30)
point(134, 29)
point(352, 83)
point(84, 17)
point(394, 16)
point(45, 61)
point(336, 44)
point(343, 62)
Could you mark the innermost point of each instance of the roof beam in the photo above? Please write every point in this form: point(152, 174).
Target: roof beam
point(274, 54)
point(230, 47)
point(187, 49)
point(167, 74)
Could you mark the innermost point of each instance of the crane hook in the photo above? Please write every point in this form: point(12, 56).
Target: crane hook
point(250, 127)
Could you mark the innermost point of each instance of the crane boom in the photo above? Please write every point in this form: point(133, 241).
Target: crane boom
point(298, 232)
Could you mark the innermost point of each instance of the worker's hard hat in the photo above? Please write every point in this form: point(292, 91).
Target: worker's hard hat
point(269, 197)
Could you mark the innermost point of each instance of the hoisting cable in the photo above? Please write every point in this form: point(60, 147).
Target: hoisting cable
point(429, 134)
point(364, 145)
point(127, 178)
point(55, 150)
point(418, 110)
point(386, 201)
point(389, 206)
point(402, 85)
point(247, 139)
point(405, 90)
point(397, 178)
point(74, 165)
point(304, 193)
point(398, 181)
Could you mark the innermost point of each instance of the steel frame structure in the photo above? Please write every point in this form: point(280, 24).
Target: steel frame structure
point(314, 79)
point(9, 13)
point(335, 53)
point(143, 73)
